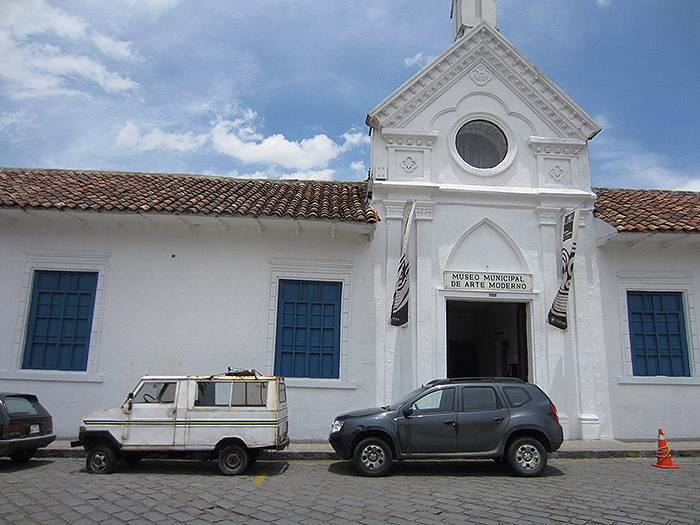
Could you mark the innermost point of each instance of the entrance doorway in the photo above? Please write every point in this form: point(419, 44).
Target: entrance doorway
point(486, 339)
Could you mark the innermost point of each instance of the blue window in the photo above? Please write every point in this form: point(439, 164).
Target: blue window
point(60, 320)
point(308, 329)
point(657, 333)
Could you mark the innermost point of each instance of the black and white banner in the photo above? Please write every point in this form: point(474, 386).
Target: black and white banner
point(399, 309)
point(557, 314)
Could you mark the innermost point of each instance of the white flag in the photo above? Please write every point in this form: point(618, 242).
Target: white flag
point(557, 314)
point(399, 309)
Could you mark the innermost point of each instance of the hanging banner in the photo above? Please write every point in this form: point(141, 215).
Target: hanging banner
point(399, 309)
point(558, 312)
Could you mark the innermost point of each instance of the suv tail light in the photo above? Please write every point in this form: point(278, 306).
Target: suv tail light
point(11, 430)
point(554, 412)
point(49, 425)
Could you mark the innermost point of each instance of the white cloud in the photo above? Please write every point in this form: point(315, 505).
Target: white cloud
point(692, 185)
point(355, 138)
point(114, 48)
point(240, 140)
point(15, 124)
point(420, 59)
point(603, 121)
point(624, 164)
point(326, 174)
point(21, 18)
point(603, 3)
point(130, 138)
point(30, 67)
point(155, 8)
point(62, 65)
point(358, 166)
point(273, 173)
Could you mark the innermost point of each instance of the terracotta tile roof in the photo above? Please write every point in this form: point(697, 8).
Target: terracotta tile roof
point(103, 191)
point(649, 210)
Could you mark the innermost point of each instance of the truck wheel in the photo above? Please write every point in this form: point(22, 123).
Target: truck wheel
point(100, 460)
point(527, 457)
point(23, 455)
point(233, 460)
point(372, 457)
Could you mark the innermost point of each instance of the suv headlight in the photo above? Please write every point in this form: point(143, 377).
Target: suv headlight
point(337, 425)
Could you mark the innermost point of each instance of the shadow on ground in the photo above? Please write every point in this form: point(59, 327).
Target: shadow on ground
point(194, 467)
point(444, 468)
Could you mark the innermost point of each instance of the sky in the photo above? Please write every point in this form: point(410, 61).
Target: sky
point(281, 88)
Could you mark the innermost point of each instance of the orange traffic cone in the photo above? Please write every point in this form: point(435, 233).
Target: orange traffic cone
point(664, 454)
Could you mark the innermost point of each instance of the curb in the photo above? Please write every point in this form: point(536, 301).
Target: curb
point(603, 454)
point(332, 456)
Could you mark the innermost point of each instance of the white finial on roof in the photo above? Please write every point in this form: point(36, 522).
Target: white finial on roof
point(470, 13)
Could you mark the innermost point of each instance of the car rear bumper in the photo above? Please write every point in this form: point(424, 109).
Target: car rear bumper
point(10, 446)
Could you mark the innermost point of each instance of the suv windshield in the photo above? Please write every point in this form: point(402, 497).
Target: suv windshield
point(405, 399)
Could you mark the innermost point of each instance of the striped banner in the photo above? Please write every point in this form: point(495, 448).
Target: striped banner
point(558, 313)
point(399, 309)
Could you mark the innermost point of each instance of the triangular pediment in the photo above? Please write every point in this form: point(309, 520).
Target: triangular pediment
point(483, 53)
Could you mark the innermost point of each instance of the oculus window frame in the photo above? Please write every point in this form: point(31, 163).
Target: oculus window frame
point(510, 145)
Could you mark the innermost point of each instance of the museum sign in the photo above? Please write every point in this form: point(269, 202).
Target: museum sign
point(488, 281)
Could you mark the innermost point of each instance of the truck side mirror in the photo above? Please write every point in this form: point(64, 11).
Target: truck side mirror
point(407, 411)
point(129, 401)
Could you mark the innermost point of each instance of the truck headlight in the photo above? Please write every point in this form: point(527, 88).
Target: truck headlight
point(337, 425)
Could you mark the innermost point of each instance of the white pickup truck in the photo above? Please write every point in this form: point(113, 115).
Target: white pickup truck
point(230, 417)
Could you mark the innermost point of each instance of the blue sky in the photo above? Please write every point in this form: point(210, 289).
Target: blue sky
point(281, 88)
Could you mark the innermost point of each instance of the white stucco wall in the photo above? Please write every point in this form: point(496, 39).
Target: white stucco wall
point(179, 300)
point(642, 405)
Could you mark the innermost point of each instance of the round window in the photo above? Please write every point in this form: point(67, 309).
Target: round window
point(481, 144)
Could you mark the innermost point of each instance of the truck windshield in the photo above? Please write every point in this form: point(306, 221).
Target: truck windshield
point(155, 392)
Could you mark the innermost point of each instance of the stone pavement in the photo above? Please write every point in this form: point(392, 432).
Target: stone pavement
point(610, 491)
point(572, 449)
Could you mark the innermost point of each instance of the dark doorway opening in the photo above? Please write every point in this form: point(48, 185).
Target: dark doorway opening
point(487, 339)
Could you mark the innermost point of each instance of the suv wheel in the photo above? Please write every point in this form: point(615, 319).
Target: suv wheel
point(233, 460)
point(23, 455)
point(372, 457)
point(527, 457)
point(101, 460)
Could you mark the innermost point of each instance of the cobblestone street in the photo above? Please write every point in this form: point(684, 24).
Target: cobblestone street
point(605, 491)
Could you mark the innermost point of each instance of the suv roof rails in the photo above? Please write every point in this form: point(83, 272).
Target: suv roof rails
point(475, 380)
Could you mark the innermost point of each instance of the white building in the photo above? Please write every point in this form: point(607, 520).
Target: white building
point(184, 274)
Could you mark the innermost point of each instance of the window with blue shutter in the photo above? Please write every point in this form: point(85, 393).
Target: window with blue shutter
point(60, 320)
point(308, 329)
point(657, 334)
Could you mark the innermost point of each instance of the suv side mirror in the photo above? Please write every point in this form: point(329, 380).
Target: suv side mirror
point(407, 411)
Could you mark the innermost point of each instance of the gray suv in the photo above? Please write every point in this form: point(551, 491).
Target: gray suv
point(499, 418)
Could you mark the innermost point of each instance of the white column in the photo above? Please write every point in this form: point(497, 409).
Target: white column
point(388, 365)
point(425, 316)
